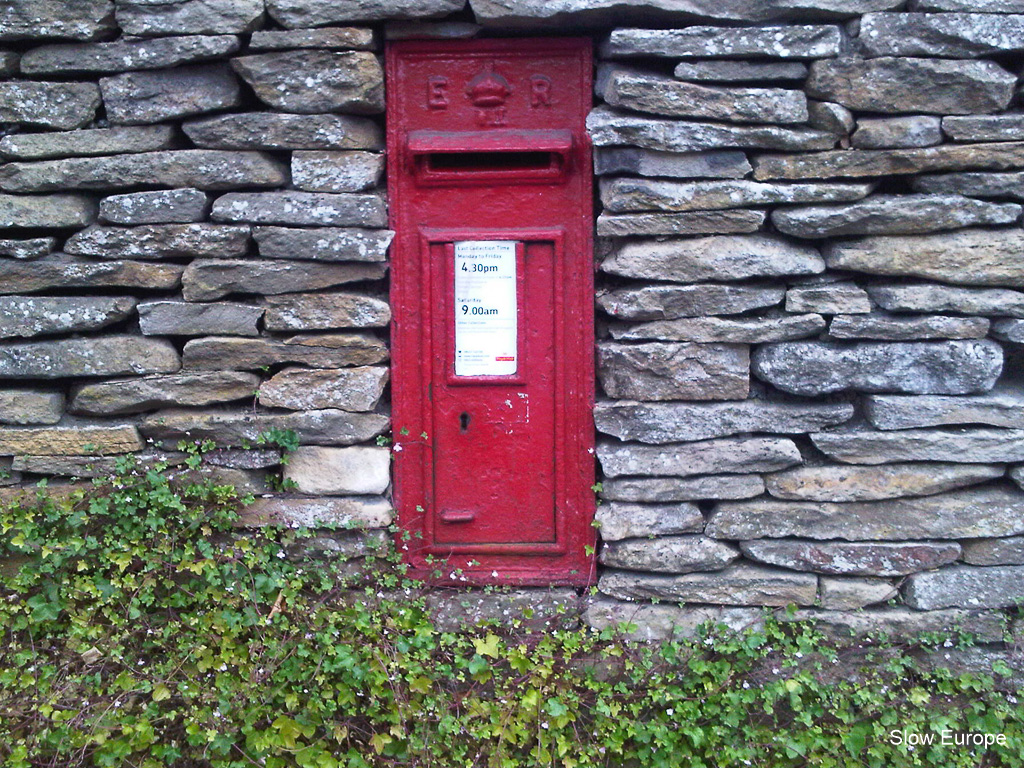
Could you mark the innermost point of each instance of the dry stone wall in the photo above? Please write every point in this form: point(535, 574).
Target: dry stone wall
point(811, 288)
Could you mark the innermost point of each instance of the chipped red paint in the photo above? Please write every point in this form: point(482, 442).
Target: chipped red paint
point(493, 473)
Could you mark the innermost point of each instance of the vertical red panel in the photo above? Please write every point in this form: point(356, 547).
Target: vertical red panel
point(489, 173)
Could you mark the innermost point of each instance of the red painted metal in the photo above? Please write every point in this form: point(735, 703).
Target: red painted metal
point(493, 473)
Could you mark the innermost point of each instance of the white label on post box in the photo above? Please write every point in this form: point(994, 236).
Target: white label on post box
point(486, 315)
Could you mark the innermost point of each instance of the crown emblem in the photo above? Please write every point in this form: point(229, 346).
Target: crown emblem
point(488, 89)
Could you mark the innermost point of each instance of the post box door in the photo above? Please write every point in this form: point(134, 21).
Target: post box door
point(492, 289)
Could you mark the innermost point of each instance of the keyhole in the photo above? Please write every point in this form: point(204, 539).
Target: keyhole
point(463, 422)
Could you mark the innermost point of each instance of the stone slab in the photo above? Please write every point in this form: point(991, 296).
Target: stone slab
point(182, 318)
point(86, 142)
point(664, 489)
point(210, 279)
point(28, 248)
point(350, 389)
point(135, 98)
point(313, 350)
point(61, 106)
point(850, 593)
point(929, 297)
point(807, 41)
point(314, 171)
point(670, 371)
point(927, 367)
point(188, 17)
point(297, 14)
point(46, 211)
point(631, 194)
point(661, 622)
point(70, 438)
point(1002, 407)
point(27, 316)
point(965, 586)
point(325, 311)
point(828, 299)
point(735, 585)
point(97, 356)
point(1009, 185)
point(880, 325)
point(273, 130)
point(856, 558)
point(984, 127)
point(897, 132)
point(344, 38)
point(323, 243)
point(683, 422)
point(903, 624)
point(164, 206)
point(658, 302)
point(967, 513)
point(62, 271)
point(890, 481)
point(735, 330)
point(147, 393)
point(689, 223)
point(972, 446)
point(1008, 551)
point(668, 554)
point(160, 241)
point(126, 55)
point(949, 35)
point(82, 20)
point(342, 471)
point(207, 169)
point(722, 164)
point(302, 209)
point(348, 512)
point(725, 455)
point(739, 71)
point(622, 520)
point(22, 407)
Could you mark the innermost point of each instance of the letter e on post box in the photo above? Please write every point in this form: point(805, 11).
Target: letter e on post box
point(490, 185)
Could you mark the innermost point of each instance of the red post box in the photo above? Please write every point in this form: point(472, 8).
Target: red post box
point(489, 179)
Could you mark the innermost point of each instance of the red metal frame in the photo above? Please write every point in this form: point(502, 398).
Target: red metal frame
point(546, 207)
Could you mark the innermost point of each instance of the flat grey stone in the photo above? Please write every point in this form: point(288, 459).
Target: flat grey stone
point(323, 243)
point(621, 520)
point(735, 585)
point(691, 223)
point(900, 85)
point(1009, 185)
point(667, 302)
point(342, 471)
point(314, 351)
point(147, 393)
point(684, 422)
point(963, 514)
point(789, 42)
point(1008, 330)
point(344, 38)
point(890, 162)
point(1002, 407)
point(609, 128)
point(314, 81)
point(665, 621)
point(950, 35)
point(81, 20)
point(739, 71)
point(431, 30)
point(210, 279)
point(663, 489)
point(123, 56)
point(723, 257)
point(209, 169)
point(931, 367)
point(160, 241)
point(1008, 551)
point(61, 106)
point(69, 438)
point(660, 95)
point(182, 318)
point(890, 481)
point(669, 371)
point(631, 194)
point(61, 271)
point(984, 128)
point(828, 299)
point(880, 325)
point(91, 141)
point(897, 132)
point(962, 445)
point(965, 586)
point(724, 164)
point(731, 330)
point(316, 13)
point(301, 389)
point(336, 171)
point(22, 407)
point(830, 117)
point(57, 211)
point(242, 458)
point(726, 455)
point(99, 356)
point(929, 297)
point(969, 257)
point(326, 427)
point(302, 208)
point(893, 215)
point(849, 593)
point(350, 512)
point(986, 6)
point(149, 97)
point(669, 554)
point(188, 17)
point(26, 316)
point(902, 624)
point(857, 558)
point(271, 130)
point(29, 248)
point(324, 311)
point(163, 206)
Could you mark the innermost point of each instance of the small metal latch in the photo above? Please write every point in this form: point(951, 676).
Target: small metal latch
point(452, 516)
